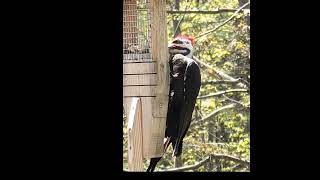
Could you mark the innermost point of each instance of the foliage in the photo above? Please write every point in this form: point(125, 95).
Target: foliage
point(227, 49)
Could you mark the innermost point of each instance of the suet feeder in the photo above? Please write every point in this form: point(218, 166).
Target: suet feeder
point(145, 78)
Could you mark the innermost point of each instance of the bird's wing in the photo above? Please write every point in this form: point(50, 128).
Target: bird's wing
point(192, 87)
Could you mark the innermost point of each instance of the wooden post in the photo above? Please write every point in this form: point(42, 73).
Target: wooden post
point(135, 153)
point(159, 52)
point(160, 55)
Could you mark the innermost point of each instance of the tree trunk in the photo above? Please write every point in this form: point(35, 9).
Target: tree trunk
point(222, 133)
point(176, 25)
point(241, 3)
point(198, 117)
point(197, 3)
point(178, 162)
point(218, 164)
point(212, 132)
point(211, 138)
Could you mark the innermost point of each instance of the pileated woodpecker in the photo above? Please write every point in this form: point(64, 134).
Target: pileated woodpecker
point(185, 81)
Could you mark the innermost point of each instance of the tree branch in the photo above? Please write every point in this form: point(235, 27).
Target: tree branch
point(218, 110)
point(222, 92)
point(237, 167)
point(225, 22)
point(186, 168)
point(235, 101)
point(218, 72)
point(215, 112)
point(244, 81)
point(206, 160)
point(230, 158)
point(216, 11)
point(219, 82)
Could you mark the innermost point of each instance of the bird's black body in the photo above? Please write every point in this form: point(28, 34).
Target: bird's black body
point(185, 81)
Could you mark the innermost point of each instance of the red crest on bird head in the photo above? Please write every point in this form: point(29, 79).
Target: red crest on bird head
point(190, 38)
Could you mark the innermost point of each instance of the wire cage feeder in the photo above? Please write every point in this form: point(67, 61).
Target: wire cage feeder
point(145, 78)
point(136, 31)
